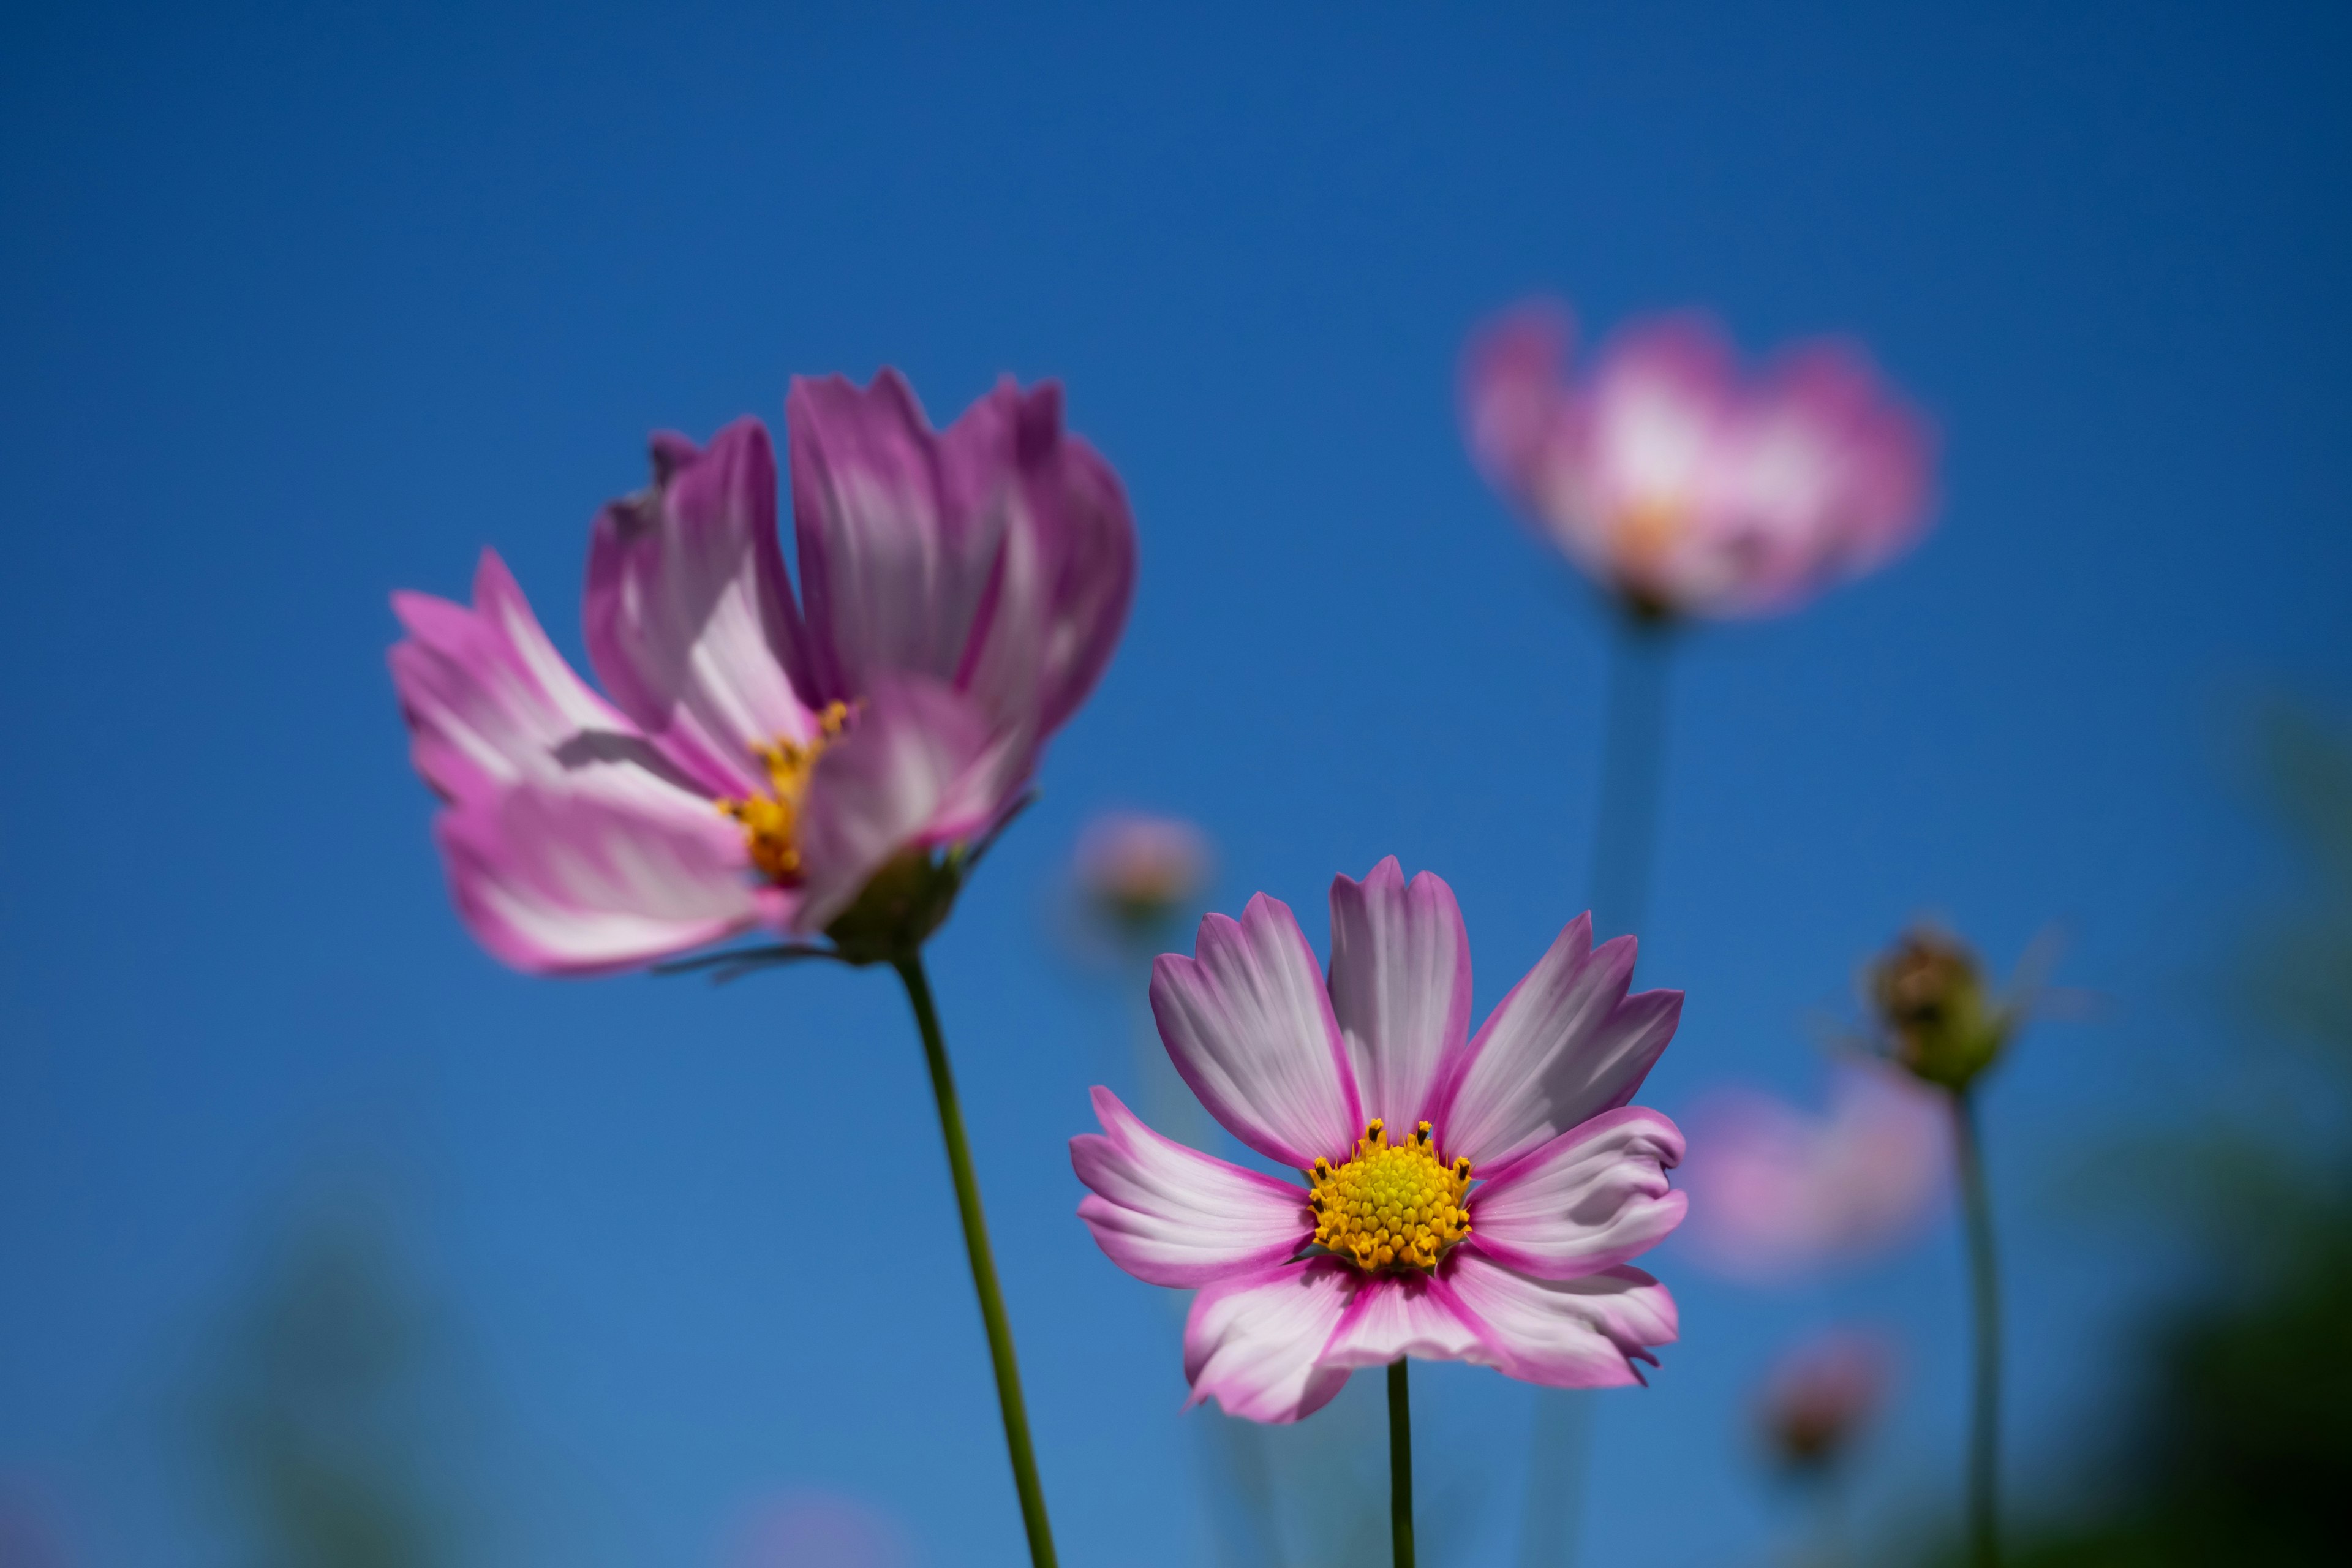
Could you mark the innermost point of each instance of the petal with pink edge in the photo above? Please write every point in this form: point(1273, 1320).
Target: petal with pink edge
point(1081, 512)
point(487, 698)
point(1172, 1215)
point(899, 530)
point(1248, 1024)
point(1566, 1045)
point(1512, 396)
point(1400, 988)
point(918, 768)
point(578, 876)
point(1398, 1315)
point(1592, 1197)
point(688, 616)
point(1252, 1340)
point(1585, 1332)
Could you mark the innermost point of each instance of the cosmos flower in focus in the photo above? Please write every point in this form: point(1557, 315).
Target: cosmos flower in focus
point(1684, 487)
point(1466, 1198)
point(758, 762)
point(1820, 1395)
point(1777, 1190)
point(1138, 870)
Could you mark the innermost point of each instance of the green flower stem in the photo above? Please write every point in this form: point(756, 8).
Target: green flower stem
point(983, 1264)
point(1399, 1464)
point(1984, 1279)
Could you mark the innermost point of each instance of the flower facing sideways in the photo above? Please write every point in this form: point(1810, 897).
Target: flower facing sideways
point(1683, 489)
point(1466, 1198)
point(760, 761)
point(1782, 1191)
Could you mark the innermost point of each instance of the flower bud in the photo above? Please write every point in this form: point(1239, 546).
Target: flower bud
point(1935, 1010)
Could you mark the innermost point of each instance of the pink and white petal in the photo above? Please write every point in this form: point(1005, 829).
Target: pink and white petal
point(918, 768)
point(1253, 1341)
point(1406, 1315)
point(588, 875)
point(898, 529)
point(1400, 988)
point(1566, 1045)
point(688, 614)
point(1249, 1027)
point(1081, 510)
point(487, 698)
point(1585, 1332)
point(1512, 394)
point(1652, 426)
point(1592, 1197)
point(1172, 1215)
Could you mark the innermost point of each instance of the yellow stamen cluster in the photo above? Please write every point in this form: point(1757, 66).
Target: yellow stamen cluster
point(769, 819)
point(1392, 1203)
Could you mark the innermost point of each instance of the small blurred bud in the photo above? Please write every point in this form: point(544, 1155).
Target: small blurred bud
point(1139, 872)
point(1932, 1004)
point(1820, 1396)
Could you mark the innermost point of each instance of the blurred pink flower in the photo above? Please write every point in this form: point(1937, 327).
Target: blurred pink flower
point(1777, 1190)
point(1389, 1250)
point(817, 1530)
point(1683, 487)
point(1141, 869)
point(756, 761)
point(1822, 1392)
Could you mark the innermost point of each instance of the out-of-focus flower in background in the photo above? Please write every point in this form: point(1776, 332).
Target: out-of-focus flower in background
point(807, 1529)
point(763, 762)
point(1777, 1191)
point(1375, 1088)
point(1820, 1396)
point(1684, 487)
point(1139, 873)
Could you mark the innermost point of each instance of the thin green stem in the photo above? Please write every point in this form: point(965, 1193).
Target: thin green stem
point(1984, 1279)
point(1399, 1464)
point(983, 1266)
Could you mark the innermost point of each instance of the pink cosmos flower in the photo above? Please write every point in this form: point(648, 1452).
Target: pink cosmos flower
point(1468, 1198)
point(1683, 487)
point(1821, 1393)
point(1139, 869)
point(754, 761)
point(1780, 1191)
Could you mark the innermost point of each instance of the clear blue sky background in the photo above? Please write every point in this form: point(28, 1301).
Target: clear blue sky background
point(299, 308)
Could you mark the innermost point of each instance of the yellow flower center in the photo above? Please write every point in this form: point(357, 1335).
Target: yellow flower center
point(1648, 532)
point(768, 819)
point(1392, 1204)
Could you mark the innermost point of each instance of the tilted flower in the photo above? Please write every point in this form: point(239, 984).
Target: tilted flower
point(1782, 1192)
point(1822, 1394)
point(1468, 1198)
point(759, 762)
point(1684, 487)
point(1137, 871)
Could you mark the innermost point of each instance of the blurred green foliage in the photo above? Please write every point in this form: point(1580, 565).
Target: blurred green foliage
point(2240, 1446)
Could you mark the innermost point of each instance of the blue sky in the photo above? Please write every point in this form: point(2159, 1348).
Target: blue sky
point(300, 308)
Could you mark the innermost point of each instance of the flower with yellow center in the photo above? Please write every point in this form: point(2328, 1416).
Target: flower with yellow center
point(768, 820)
point(1388, 1251)
point(1393, 1205)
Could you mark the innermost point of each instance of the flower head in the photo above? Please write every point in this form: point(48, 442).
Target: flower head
point(1683, 487)
point(1939, 1018)
point(1820, 1395)
point(1780, 1191)
point(1137, 871)
point(757, 761)
point(1466, 1197)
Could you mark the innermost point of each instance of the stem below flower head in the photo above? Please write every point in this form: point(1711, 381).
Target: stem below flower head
point(983, 1264)
point(1984, 1279)
point(1632, 772)
point(1399, 1464)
